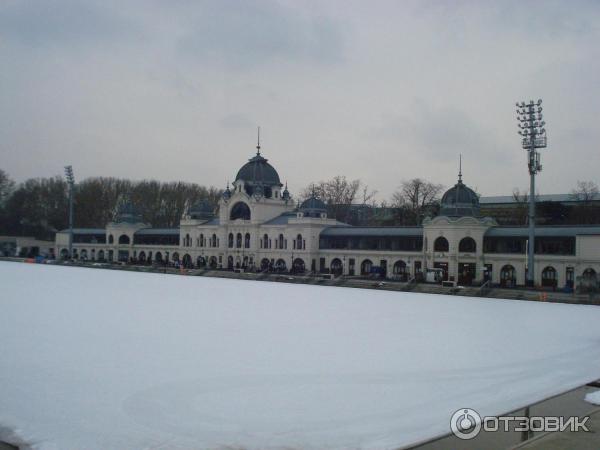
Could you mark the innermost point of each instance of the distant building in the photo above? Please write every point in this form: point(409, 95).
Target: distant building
point(259, 227)
point(27, 247)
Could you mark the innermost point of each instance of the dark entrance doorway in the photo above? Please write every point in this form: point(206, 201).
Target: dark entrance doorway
point(444, 267)
point(466, 273)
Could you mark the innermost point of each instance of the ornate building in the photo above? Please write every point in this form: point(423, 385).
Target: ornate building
point(258, 227)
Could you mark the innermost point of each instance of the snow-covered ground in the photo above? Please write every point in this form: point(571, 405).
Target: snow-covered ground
point(99, 359)
point(593, 398)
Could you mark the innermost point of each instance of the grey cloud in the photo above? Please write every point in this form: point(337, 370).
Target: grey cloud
point(64, 22)
point(236, 120)
point(439, 133)
point(249, 34)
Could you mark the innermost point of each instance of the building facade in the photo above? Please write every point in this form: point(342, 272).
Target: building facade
point(259, 227)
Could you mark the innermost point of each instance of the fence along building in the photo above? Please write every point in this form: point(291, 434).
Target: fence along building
point(259, 227)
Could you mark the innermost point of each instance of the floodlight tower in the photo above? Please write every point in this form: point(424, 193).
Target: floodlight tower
point(71, 182)
point(531, 128)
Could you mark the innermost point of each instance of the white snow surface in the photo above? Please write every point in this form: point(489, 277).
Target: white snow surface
point(593, 398)
point(100, 359)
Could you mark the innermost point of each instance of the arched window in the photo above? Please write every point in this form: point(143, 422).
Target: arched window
point(214, 240)
point(230, 241)
point(280, 241)
point(549, 276)
point(299, 242)
point(336, 267)
point(467, 245)
point(187, 261)
point(201, 240)
point(441, 245)
point(365, 267)
point(247, 240)
point(111, 239)
point(298, 266)
point(399, 268)
point(123, 239)
point(266, 241)
point(239, 240)
point(240, 211)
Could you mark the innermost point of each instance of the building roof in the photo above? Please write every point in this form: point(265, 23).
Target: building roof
point(127, 212)
point(559, 231)
point(258, 171)
point(85, 231)
point(314, 204)
point(509, 199)
point(348, 231)
point(157, 231)
point(201, 210)
point(282, 219)
point(460, 200)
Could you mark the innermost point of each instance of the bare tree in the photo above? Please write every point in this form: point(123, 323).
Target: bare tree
point(339, 194)
point(415, 196)
point(6, 186)
point(585, 192)
point(586, 212)
point(521, 200)
point(368, 197)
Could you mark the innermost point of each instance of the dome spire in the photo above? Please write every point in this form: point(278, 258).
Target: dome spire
point(460, 167)
point(258, 143)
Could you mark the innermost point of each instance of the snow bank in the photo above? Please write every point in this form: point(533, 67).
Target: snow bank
point(101, 359)
point(593, 398)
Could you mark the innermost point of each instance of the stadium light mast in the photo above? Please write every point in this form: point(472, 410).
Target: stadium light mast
point(533, 133)
point(71, 182)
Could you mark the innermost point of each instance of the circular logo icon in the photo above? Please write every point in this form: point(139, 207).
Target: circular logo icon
point(465, 423)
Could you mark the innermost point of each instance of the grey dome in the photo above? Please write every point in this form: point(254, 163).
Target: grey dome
point(313, 207)
point(313, 203)
point(201, 210)
point(126, 212)
point(258, 171)
point(460, 200)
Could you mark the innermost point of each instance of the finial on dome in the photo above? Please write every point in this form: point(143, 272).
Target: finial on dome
point(227, 193)
point(258, 143)
point(460, 168)
point(286, 193)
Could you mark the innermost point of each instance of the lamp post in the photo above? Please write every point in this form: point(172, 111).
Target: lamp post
point(533, 133)
point(71, 182)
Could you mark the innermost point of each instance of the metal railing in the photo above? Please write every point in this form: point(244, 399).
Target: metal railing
point(485, 288)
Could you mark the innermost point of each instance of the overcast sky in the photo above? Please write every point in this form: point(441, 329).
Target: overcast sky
point(381, 91)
